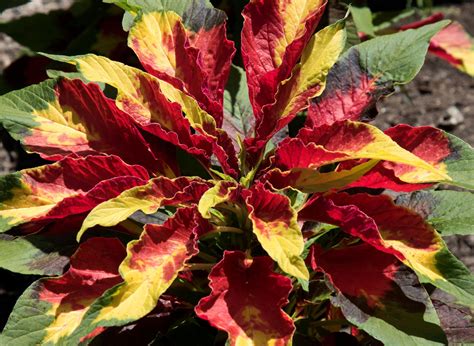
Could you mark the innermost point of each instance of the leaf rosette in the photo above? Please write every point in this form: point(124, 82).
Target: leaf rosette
point(301, 235)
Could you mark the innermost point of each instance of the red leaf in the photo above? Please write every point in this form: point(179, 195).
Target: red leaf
point(69, 187)
point(347, 265)
point(194, 59)
point(379, 294)
point(166, 120)
point(350, 93)
point(96, 261)
point(111, 130)
point(66, 299)
point(246, 301)
point(428, 143)
point(275, 225)
point(266, 64)
point(382, 178)
point(319, 146)
point(349, 217)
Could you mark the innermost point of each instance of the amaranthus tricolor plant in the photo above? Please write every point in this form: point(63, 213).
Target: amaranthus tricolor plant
point(173, 213)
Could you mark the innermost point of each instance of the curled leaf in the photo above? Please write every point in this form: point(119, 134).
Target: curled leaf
point(275, 225)
point(246, 301)
point(152, 264)
point(57, 305)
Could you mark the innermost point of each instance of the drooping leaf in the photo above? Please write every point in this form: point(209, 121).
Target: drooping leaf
point(346, 216)
point(381, 296)
point(275, 225)
point(69, 187)
point(310, 180)
point(246, 301)
point(308, 79)
point(152, 264)
point(369, 71)
point(57, 118)
point(51, 309)
point(449, 212)
point(418, 244)
point(147, 198)
point(456, 320)
point(154, 104)
point(219, 193)
point(35, 254)
point(455, 45)
point(440, 149)
point(348, 140)
point(151, 328)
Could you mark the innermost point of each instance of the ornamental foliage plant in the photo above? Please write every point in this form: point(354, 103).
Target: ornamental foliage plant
point(199, 202)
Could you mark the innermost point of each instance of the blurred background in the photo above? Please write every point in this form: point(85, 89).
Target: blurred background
point(440, 96)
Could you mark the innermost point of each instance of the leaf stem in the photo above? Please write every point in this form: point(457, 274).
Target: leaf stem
point(222, 229)
point(199, 266)
point(211, 174)
point(231, 207)
point(227, 229)
point(206, 257)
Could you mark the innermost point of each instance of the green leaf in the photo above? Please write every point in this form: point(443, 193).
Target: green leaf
point(386, 19)
point(391, 335)
point(449, 212)
point(368, 71)
point(399, 57)
point(460, 163)
point(238, 114)
point(55, 74)
point(457, 278)
point(34, 255)
point(195, 13)
point(11, 3)
point(363, 20)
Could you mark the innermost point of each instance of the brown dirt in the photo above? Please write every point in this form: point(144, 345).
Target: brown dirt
point(439, 96)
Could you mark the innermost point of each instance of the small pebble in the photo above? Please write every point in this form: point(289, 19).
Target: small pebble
point(452, 119)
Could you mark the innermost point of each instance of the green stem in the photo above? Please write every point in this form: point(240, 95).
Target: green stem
point(227, 229)
point(206, 257)
point(222, 229)
point(231, 207)
point(199, 266)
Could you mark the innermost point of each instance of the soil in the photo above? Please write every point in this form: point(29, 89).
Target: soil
point(439, 96)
